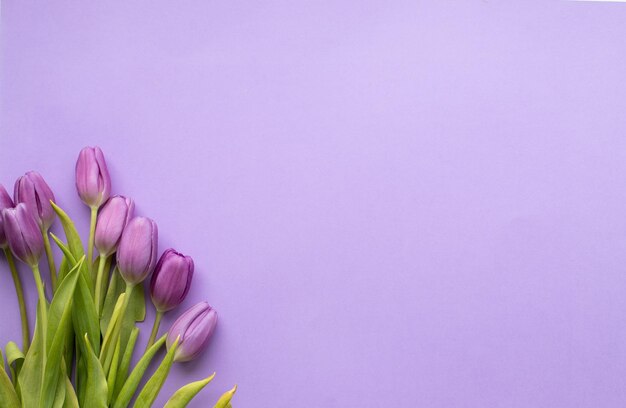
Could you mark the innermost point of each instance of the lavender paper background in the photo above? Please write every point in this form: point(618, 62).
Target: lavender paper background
point(390, 203)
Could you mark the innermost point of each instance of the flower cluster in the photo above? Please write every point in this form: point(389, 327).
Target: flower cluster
point(87, 331)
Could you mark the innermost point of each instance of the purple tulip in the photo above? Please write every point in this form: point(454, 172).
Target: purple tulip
point(23, 234)
point(112, 220)
point(5, 202)
point(92, 177)
point(137, 251)
point(194, 329)
point(32, 190)
point(171, 280)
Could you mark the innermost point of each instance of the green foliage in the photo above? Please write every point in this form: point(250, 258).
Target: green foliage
point(71, 341)
point(183, 396)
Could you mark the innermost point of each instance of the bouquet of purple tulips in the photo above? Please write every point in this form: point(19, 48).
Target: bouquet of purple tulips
point(85, 335)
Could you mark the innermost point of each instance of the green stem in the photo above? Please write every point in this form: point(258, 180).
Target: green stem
point(102, 260)
point(50, 256)
point(155, 329)
point(20, 298)
point(92, 233)
point(43, 310)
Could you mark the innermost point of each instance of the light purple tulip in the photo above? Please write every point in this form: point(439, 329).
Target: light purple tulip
point(92, 177)
point(171, 280)
point(195, 328)
point(137, 251)
point(5, 202)
point(112, 219)
point(32, 190)
point(23, 234)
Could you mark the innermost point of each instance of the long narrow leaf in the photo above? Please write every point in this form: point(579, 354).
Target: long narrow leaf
point(185, 394)
point(136, 375)
point(122, 371)
point(96, 385)
point(8, 396)
point(148, 394)
point(59, 319)
point(73, 239)
point(31, 374)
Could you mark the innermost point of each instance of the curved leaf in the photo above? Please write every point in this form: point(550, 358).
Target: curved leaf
point(129, 388)
point(59, 318)
point(73, 239)
point(122, 371)
point(150, 391)
point(181, 398)
point(224, 401)
point(96, 383)
point(8, 396)
point(15, 359)
point(31, 374)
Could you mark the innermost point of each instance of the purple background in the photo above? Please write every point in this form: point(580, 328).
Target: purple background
point(390, 203)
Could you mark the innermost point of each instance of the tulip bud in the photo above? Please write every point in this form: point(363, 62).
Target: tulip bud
point(194, 327)
point(32, 190)
point(92, 177)
point(136, 254)
point(171, 280)
point(112, 220)
point(5, 202)
point(23, 234)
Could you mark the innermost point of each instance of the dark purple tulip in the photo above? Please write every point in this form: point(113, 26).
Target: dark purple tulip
point(171, 280)
point(5, 202)
point(136, 254)
point(32, 190)
point(112, 219)
point(194, 329)
point(92, 177)
point(23, 234)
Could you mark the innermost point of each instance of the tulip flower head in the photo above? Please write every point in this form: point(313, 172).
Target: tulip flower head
point(23, 234)
point(112, 219)
point(92, 177)
point(171, 280)
point(5, 202)
point(193, 329)
point(137, 251)
point(32, 190)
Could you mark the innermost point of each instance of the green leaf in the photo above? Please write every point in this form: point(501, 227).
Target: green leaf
point(68, 356)
point(181, 398)
point(75, 246)
point(136, 305)
point(59, 319)
point(148, 394)
point(81, 370)
point(113, 371)
point(96, 384)
point(73, 239)
point(64, 268)
point(8, 396)
point(59, 394)
point(70, 395)
point(112, 335)
point(85, 317)
point(122, 371)
point(15, 359)
point(68, 258)
point(31, 374)
point(129, 388)
point(224, 401)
